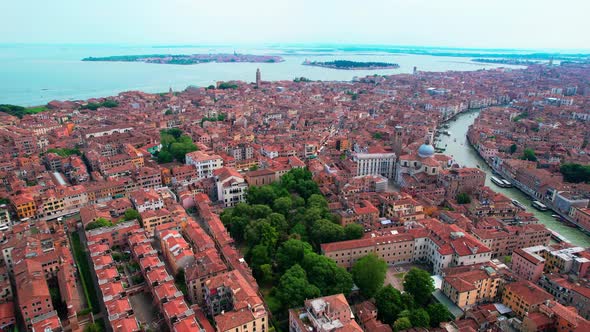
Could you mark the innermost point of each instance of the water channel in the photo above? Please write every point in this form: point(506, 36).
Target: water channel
point(464, 155)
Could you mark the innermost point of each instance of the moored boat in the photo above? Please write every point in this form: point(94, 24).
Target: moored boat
point(539, 206)
point(497, 181)
point(518, 204)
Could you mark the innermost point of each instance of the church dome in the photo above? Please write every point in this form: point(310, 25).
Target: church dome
point(426, 150)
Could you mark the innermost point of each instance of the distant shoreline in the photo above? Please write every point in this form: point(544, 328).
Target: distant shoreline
point(351, 65)
point(189, 59)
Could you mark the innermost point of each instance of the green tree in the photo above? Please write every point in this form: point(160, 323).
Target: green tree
point(575, 173)
point(325, 231)
point(259, 256)
point(463, 198)
point(513, 148)
point(438, 313)
point(261, 232)
point(402, 324)
point(93, 327)
point(529, 154)
point(291, 252)
point(266, 274)
point(317, 201)
point(282, 205)
point(419, 318)
point(294, 288)
point(165, 157)
point(419, 283)
point(368, 274)
point(131, 214)
point(353, 231)
point(326, 275)
point(408, 300)
point(261, 195)
point(175, 145)
point(300, 231)
point(279, 222)
point(98, 223)
point(389, 304)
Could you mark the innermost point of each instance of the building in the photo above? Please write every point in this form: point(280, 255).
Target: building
point(231, 186)
point(461, 180)
point(257, 77)
point(470, 285)
point(32, 291)
point(524, 297)
point(374, 161)
point(574, 260)
point(552, 316)
point(177, 252)
point(422, 166)
point(260, 177)
point(207, 264)
point(324, 314)
point(581, 216)
point(430, 241)
point(204, 163)
point(392, 248)
point(366, 315)
point(527, 263)
point(24, 205)
point(146, 199)
point(234, 304)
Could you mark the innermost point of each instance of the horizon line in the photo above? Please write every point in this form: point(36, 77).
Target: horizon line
point(291, 44)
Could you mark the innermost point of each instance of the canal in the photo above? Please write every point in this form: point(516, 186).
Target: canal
point(458, 147)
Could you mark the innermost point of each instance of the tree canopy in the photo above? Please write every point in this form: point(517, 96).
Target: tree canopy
point(20, 111)
point(389, 304)
point(294, 288)
point(131, 214)
point(575, 173)
point(65, 152)
point(529, 154)
point(106, 103)
point(438, 313)
point(463, 198)
point(419, 284)
point(513, 148)
point(98, 223)
point(175, 145)
point(275, 224)
point(368, 274)
point(401, 324)
point(419, 318)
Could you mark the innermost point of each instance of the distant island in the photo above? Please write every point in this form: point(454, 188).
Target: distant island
point(520, 62)
point(189, 59)
point(351, 65)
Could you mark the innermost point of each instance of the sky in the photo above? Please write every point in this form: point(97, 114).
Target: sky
point(540, 24)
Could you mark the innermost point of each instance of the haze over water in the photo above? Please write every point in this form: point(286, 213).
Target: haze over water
point(36, 74)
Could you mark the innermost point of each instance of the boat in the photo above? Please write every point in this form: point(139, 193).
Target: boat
point(539, 206)
point(558, 237)
point(455, 140)
point(556, 216)
point(498, 181)
point(446, 132)
point(507, 183)
point(518, 204)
